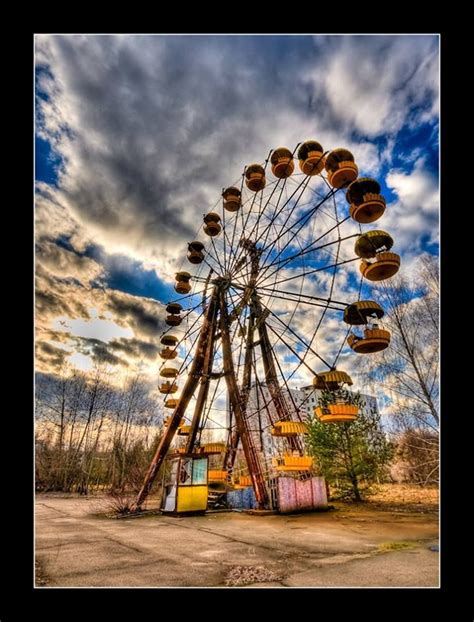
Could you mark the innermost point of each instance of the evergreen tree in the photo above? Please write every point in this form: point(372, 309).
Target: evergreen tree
point(350, 455)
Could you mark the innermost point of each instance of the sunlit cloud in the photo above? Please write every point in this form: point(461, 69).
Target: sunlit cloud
point(105, 330)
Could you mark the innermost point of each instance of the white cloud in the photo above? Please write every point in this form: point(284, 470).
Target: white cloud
point(416, 190)
point(63, 263)
point(372, 82)
point(415, 215)
point(105, 330)
point(151, 128)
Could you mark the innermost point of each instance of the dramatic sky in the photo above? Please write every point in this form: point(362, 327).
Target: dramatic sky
point(137, 135)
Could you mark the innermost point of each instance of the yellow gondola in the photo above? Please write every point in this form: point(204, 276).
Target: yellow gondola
point(385, 265)
point(331, 380)
point(182, 285)
point(311, 158)
point(173, 318)
point(362, 311)
point(184, 430)
point(168, 387)
point(212, 224)
point(213, 448)
point(292, 463)
point(282, 162)
point(169, 340)
point(337, 413)
point(341, 168)
point(375, 339)
point(255, 177)
point(289, 428)
point(171, 403)
point(366, 312)
point(366, 202)
point(340, 409)
point(376, 245)
point(232, 199)
point(174, 307)
point(169, 372)
point(195, 254)
point(243, 481)
point(216, 476)
point(168, 354)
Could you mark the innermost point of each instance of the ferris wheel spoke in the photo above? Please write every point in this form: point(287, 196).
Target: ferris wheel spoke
point(281, 263)
point(265, 233)
point(284, 188)
point(249, 212)
point(244, 271)
point(224, 239)
point(267, 203)
point(289, 392)
point(188, 296)
point(235, 221)
point(331, 290)
point(318, 325)
point(238, 306)
point(339, 352)
point(301, 362)
point(302, 185)
point(264, 212)
point(295, 308)
point(227, 243)
point(299, 338)
point(309, 343)
point(313, 271)
point(311, 298)
point(302, 221)
point(338, 249)
point(206, 412)
point(304, 302)
point(240, 251)
point(215, 257)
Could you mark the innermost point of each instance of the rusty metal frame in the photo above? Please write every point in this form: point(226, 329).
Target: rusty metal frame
point(240, 412)
point(188, 390)
point(217, 317)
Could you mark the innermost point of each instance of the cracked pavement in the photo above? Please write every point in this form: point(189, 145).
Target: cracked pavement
point(76, 547)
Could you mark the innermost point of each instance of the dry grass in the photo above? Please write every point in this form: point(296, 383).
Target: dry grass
point(406, 493)
point(248, 575)
point(408, 498)
point(114, 505)
point(40, 576)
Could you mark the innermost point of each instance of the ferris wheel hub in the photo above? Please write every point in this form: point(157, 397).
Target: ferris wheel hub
point(222, 282)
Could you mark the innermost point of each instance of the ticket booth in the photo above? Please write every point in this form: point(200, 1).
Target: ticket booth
point(185, 487)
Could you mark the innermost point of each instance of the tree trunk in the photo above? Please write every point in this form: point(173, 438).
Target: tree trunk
point(351, 470)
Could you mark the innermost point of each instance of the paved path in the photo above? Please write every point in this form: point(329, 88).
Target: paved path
point(76, 548)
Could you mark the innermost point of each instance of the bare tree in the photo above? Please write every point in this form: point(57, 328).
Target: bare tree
point(418, 456)
point(408, 371)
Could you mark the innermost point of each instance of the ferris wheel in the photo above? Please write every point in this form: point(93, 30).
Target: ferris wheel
point(260, 300)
